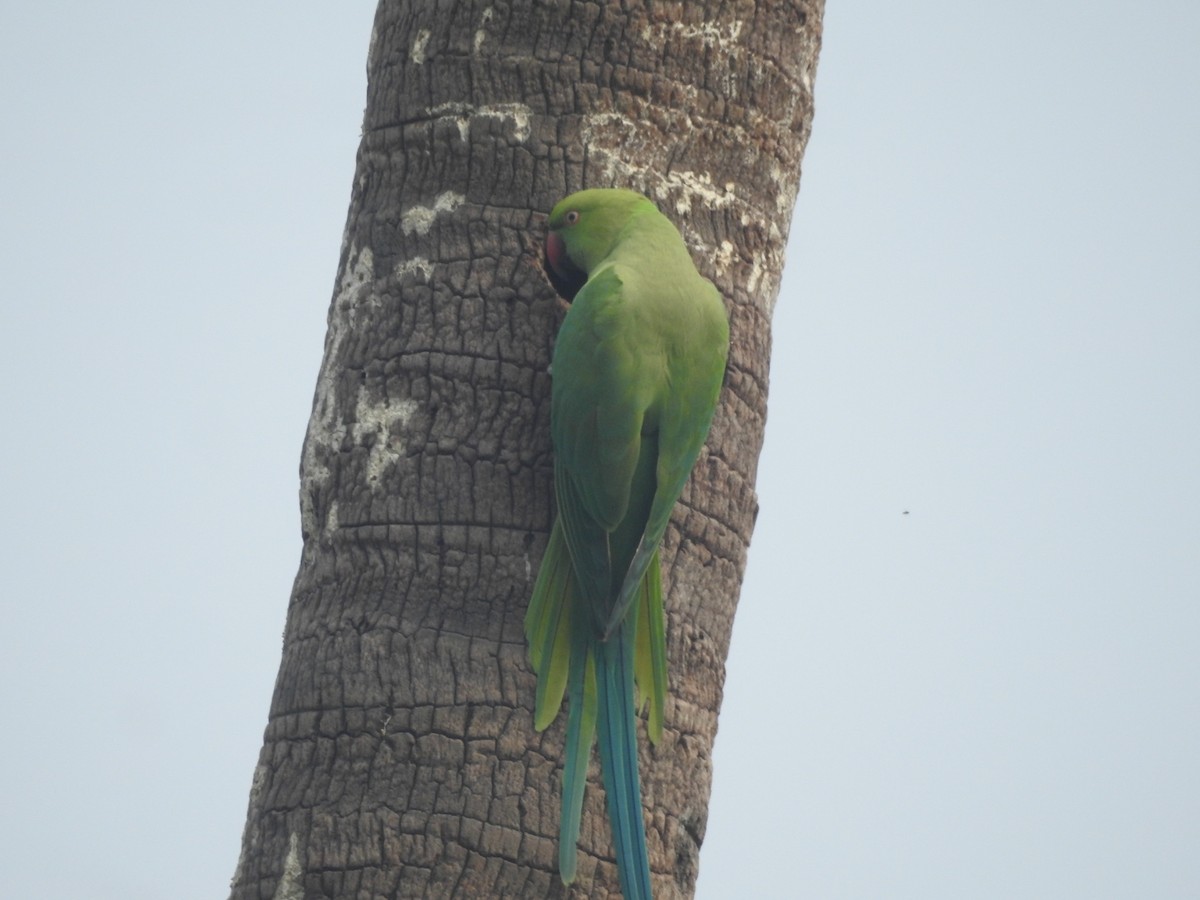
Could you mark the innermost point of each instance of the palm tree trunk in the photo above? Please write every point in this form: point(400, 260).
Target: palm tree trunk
point(400, 758)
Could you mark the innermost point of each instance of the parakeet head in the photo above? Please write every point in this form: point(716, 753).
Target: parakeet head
point(583, 230)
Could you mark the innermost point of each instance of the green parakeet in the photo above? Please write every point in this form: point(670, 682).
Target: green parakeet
point(637, 369)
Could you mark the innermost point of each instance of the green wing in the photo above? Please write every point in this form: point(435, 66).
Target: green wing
point(598, 407)
point(605, 469)
point(686, 412)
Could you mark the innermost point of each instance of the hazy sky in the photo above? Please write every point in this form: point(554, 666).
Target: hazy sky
point(965, 663)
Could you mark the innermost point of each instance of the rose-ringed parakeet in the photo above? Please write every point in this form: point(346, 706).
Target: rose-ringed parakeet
point(636, 372)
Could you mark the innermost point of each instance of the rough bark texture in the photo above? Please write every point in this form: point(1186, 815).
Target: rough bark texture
point(400, 758)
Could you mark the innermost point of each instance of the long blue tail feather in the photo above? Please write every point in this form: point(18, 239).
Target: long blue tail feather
point(619, 761)
point(603, 682)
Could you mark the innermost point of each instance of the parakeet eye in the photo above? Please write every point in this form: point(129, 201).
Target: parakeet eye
point(572, 217)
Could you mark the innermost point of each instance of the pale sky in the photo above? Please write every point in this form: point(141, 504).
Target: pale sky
point(965, 660)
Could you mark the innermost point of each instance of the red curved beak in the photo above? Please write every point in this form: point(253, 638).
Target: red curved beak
point(556, 252)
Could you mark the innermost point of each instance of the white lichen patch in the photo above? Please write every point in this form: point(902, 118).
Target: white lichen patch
point(417, 265)
point(785, 198)
point(291, 882)
point(355, 292)
point(381, 422)
point(459, 112)
point(419, 219)
point(595, 125)
point(516, 114)
point(481, 32)
point(806, 79)
point(420, 42)
point(612, 140)
point(688, 187)
point(763, 274)
point(755, 277)
point(723, 257)
point(721, 36)
point(374, 423)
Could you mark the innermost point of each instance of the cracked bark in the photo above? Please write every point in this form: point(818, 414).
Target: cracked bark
point(399, 758)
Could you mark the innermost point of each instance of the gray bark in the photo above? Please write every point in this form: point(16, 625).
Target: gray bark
point(400, 759)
